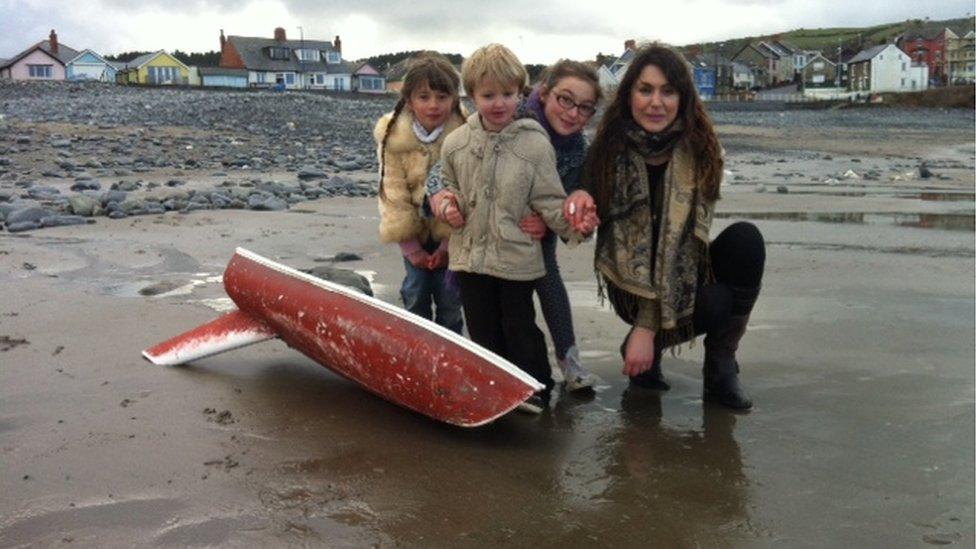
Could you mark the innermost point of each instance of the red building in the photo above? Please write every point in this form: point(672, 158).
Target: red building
point(929, 46)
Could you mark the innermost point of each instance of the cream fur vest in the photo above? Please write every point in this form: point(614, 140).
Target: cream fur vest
point(407, 161)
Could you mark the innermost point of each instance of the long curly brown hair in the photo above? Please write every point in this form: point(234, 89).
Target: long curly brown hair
point(698, 135)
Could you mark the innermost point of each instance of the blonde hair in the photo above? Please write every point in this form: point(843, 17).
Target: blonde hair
point(494, 63)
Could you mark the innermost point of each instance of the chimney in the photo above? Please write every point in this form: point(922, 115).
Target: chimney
point(53, 39)
point(630, 44)
point(337, 44)
point(223, 40)
point(280, 34)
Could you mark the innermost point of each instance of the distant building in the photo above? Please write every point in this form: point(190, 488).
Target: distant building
point(819, 72)
point(292, 64)
point(90, 66)
point(930, 46)
point(608, 80)
point(962, 59)
point(762, 61)
point(619, 65)
point(742, 77)
point(155, 69)
point(885, 68)
point(45, 60)
point(366, 79)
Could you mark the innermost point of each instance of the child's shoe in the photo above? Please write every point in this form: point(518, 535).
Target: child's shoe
point(577, 378)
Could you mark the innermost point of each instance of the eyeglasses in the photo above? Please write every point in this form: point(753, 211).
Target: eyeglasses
point(567, 103)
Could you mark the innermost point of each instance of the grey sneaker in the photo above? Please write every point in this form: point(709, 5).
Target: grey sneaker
point(576, 376)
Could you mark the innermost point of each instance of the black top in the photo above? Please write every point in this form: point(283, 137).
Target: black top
point(655, 182)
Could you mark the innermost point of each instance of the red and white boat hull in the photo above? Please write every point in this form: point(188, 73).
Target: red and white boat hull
point(397, 355)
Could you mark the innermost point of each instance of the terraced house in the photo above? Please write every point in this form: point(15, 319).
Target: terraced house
point(289, 64)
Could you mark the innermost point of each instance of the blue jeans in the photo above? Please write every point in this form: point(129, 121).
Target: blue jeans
point(423, 288)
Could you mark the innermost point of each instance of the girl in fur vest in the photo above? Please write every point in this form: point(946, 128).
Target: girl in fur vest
point(408, 143)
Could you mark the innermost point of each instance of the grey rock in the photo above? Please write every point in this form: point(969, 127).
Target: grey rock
point(63, 220)
point(924, 172)
point(782, 189)
point(346, 256)
point(28, 214)
point(271, 203)
point(81, 204)
point(86, 185)
point(60, 143)
point(133, 206)
point(311, 173)
point(23, 226)
point(112, 196)
point(43, 193)
point(345, 277)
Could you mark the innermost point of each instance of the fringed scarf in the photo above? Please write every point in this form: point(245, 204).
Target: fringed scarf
point(624, 259)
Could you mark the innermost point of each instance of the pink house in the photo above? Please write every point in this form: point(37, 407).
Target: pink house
point(45, 60)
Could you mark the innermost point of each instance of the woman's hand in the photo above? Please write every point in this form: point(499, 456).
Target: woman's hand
point(534, 226)
point(576, 207)
point(639, 355)
point(444, 205)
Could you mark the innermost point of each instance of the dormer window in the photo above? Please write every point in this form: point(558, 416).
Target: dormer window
point(309, 55)
point(333, 57)
point(279, 53)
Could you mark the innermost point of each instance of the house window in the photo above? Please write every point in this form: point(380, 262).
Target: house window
point(337, 83)
point(903, 66)
point(320, 79)
point(309, 55)
point(261, 77)
point(279, 53)
point(818, 66)
point(289, 78)
point(164, 75)
point(40, 71)
point(333, 57)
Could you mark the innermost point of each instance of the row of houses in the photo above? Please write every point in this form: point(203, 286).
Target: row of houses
point(915, 61)
point(245, 62)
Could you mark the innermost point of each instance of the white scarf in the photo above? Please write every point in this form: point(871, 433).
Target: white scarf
point(423, 136)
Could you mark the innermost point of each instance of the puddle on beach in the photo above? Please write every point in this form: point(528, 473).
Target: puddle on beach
point(965, 222)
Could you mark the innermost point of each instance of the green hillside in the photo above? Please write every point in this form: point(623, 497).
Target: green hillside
point(851, 39)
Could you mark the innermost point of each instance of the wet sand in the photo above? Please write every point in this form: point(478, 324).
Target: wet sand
point(859, 358)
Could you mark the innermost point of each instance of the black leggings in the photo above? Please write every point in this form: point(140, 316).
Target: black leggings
point(738, 257)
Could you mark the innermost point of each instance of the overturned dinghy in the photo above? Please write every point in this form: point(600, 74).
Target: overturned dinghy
point(401, 357)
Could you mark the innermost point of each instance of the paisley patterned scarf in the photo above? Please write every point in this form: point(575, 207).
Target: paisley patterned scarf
point(624, 258)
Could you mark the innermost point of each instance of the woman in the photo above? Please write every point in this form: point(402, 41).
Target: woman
point(563, 103)
point(656, 162)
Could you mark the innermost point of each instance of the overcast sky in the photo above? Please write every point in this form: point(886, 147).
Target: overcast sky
point(539, 31)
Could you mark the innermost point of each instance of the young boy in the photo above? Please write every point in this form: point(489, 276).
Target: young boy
point(500, 169)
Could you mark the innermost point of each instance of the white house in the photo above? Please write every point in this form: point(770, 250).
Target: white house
point(292, 64)
point(884, 68)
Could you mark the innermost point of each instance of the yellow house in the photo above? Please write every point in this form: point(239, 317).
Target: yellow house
point(155, 69)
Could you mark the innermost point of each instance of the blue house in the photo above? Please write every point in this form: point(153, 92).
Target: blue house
point(90, 66)
point(704, 81)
